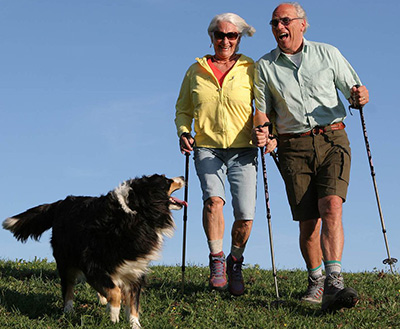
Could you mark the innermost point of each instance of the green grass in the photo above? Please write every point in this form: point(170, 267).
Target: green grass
point(30, 297)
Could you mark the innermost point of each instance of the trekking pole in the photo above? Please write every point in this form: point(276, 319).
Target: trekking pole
point(185, 220)
point(391, 261)
point(264, 166)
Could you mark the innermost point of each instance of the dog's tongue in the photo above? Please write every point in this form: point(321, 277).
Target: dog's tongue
point(178, 201)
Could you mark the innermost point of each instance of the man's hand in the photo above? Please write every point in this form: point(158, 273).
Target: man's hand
point(261, 137)
point(359, 96)
point(271, 145)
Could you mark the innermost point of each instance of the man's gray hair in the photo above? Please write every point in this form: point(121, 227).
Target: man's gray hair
point(301, 13)
point(239, 22)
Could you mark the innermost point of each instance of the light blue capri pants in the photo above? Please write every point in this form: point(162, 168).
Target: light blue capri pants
point(239, 165)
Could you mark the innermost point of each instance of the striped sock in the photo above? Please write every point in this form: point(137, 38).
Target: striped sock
point(315, 273)
point(332, 266)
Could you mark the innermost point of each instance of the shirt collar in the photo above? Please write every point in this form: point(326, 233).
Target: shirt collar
point(277, 52)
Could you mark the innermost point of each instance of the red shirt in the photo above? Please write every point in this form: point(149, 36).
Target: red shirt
point(218, 74)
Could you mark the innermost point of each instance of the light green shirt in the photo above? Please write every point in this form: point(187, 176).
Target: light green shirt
point(306, 96)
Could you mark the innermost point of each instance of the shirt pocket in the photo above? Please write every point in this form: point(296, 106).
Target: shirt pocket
point(322, 83)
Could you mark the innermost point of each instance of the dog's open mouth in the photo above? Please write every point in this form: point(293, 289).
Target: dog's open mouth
point(176, 203)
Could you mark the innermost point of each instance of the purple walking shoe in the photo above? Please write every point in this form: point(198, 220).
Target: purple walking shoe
point(217, 271)
point(235, 278)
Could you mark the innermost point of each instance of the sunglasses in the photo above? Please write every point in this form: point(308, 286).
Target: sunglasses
point(221, 35)
point(285, 21)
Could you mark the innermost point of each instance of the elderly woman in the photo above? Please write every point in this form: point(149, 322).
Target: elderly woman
point(217, 93)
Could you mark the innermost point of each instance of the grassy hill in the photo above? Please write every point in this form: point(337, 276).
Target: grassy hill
point(30, 297)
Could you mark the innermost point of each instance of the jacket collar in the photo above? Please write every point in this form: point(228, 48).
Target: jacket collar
point(242, 60)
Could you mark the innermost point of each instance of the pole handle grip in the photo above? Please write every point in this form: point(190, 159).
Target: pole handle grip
point(266, 124)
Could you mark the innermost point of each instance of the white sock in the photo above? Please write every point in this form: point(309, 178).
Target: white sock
point(215, 246)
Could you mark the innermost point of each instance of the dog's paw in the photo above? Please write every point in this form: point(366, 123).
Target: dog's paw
point(102, 299)
point(114, 314)
point(134, 322)
point(69, 307)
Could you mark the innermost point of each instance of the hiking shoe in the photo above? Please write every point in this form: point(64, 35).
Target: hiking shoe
point(217, 271)
point(314, 291)
point(235, 278)
point(336, 296)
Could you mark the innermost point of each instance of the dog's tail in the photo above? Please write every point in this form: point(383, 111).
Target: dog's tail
point(31, 223)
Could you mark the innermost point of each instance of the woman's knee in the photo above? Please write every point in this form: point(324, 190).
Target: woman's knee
point(214, 203)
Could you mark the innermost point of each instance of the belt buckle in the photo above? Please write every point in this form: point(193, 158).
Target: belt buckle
point(315, 131)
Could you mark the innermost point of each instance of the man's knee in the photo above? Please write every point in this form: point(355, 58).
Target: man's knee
point(330, 207)
point(310, 229)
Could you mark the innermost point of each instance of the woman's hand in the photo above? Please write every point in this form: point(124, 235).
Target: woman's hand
point(186, 142)
point(260, 136)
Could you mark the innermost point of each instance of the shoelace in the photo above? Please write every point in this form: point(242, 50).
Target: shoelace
point(336, 281)
point(313, 282)
point(218, 267)
point(237, 271)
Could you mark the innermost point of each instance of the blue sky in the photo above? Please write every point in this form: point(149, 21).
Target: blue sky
point(88, 89)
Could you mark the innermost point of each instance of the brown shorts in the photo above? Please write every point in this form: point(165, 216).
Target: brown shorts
point(313, 167)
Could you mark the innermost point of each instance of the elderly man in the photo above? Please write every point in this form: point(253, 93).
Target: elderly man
point(296, 84)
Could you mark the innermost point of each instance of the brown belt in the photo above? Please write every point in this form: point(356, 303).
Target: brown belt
point(316, 130)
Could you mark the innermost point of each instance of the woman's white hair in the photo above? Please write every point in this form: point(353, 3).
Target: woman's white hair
point(239, 22)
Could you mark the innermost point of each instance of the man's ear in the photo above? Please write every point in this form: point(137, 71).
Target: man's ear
point(303, 25)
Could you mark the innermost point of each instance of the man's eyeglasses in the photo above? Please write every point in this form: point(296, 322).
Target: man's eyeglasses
point(221, 35)
point(285, 21)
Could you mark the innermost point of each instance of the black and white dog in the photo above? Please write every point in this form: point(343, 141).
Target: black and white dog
point(110, 239)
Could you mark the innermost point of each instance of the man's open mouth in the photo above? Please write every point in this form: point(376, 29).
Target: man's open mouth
point(283, 36)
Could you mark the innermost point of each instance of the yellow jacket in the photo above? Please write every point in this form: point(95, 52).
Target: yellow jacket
point(223, 116)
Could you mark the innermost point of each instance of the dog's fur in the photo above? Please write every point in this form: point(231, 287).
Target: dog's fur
point(110, 239)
